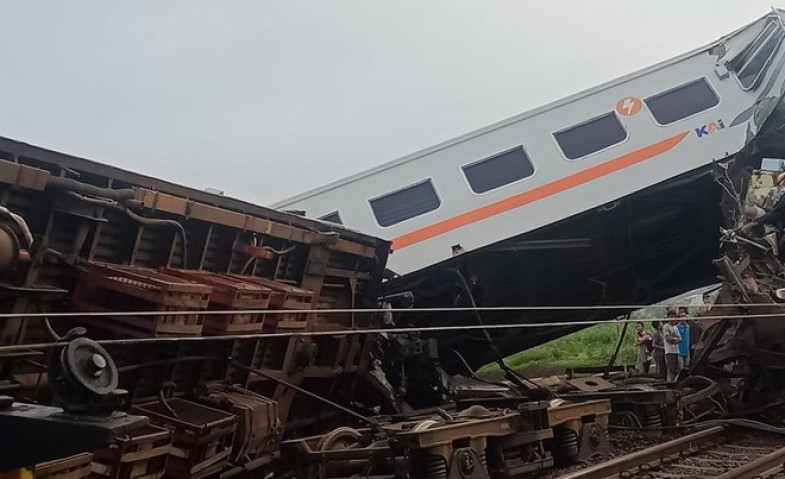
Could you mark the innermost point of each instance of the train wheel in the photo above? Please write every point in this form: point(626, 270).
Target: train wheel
point(340, 438)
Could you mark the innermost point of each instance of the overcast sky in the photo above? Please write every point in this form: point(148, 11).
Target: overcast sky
point(267, 99)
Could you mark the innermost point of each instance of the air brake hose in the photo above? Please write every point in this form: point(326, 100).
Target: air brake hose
point(122, 199)
point(162, 222)
point(68, 184)
point(469, 370)
point(511, 375)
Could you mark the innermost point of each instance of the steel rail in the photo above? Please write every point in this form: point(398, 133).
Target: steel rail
point(649, 455)
point(646, 460)
point(754, 469)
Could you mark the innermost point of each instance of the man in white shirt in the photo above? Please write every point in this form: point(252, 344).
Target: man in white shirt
point(670, 333)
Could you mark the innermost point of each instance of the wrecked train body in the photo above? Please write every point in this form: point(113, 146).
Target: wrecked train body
point(631, 221)
point(233, 330)
point(602, 198)
point(85, 238)
point(743, 346)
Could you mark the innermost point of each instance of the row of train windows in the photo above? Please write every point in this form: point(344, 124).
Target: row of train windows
point(513, 165)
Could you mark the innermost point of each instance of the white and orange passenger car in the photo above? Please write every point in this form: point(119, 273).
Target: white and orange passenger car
point(567, 157)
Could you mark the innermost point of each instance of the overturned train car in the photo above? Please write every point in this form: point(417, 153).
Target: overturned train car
point(207, 337)
point(79, 236)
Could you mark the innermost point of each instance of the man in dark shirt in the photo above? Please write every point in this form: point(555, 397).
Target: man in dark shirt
point(705, 308)
point(658, 349)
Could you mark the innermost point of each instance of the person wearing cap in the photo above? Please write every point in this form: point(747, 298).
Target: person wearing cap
point(776, 216)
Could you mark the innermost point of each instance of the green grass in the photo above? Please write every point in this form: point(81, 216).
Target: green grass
point(592, 346)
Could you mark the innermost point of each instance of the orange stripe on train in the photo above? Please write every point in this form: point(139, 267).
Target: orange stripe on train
point(544, 191)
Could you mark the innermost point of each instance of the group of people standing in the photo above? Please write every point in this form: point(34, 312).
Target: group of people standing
point(669, 346)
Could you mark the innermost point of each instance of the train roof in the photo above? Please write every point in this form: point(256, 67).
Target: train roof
point(776, 12)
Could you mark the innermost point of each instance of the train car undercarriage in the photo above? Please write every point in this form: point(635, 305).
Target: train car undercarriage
point(202, 336)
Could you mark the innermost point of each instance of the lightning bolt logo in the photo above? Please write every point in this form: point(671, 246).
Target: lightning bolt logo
point(628, 106)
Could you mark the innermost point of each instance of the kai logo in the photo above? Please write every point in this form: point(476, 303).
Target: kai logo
point(709, 128)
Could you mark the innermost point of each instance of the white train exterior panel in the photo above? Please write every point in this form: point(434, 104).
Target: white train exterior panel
point(560, 187)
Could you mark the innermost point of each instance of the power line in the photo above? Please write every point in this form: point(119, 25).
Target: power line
point(612, 307)
point(343, 332)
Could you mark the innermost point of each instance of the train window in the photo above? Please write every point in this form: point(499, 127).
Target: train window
point(591, 136)
point(405, 204)
point(498, 170)
point(333, 217)
point(752, 62)
point(682, 101)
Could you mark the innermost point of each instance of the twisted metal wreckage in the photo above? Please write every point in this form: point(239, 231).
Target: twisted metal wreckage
point(240, 339)
point(183, 333)
point(745, 355)
point(150, 329)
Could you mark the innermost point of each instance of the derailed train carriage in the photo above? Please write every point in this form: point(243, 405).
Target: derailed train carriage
point(603, 198)
point(229, 328)
point(81, 236)
point(225, 322)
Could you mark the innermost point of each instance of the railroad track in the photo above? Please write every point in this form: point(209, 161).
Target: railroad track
point(719, 452)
